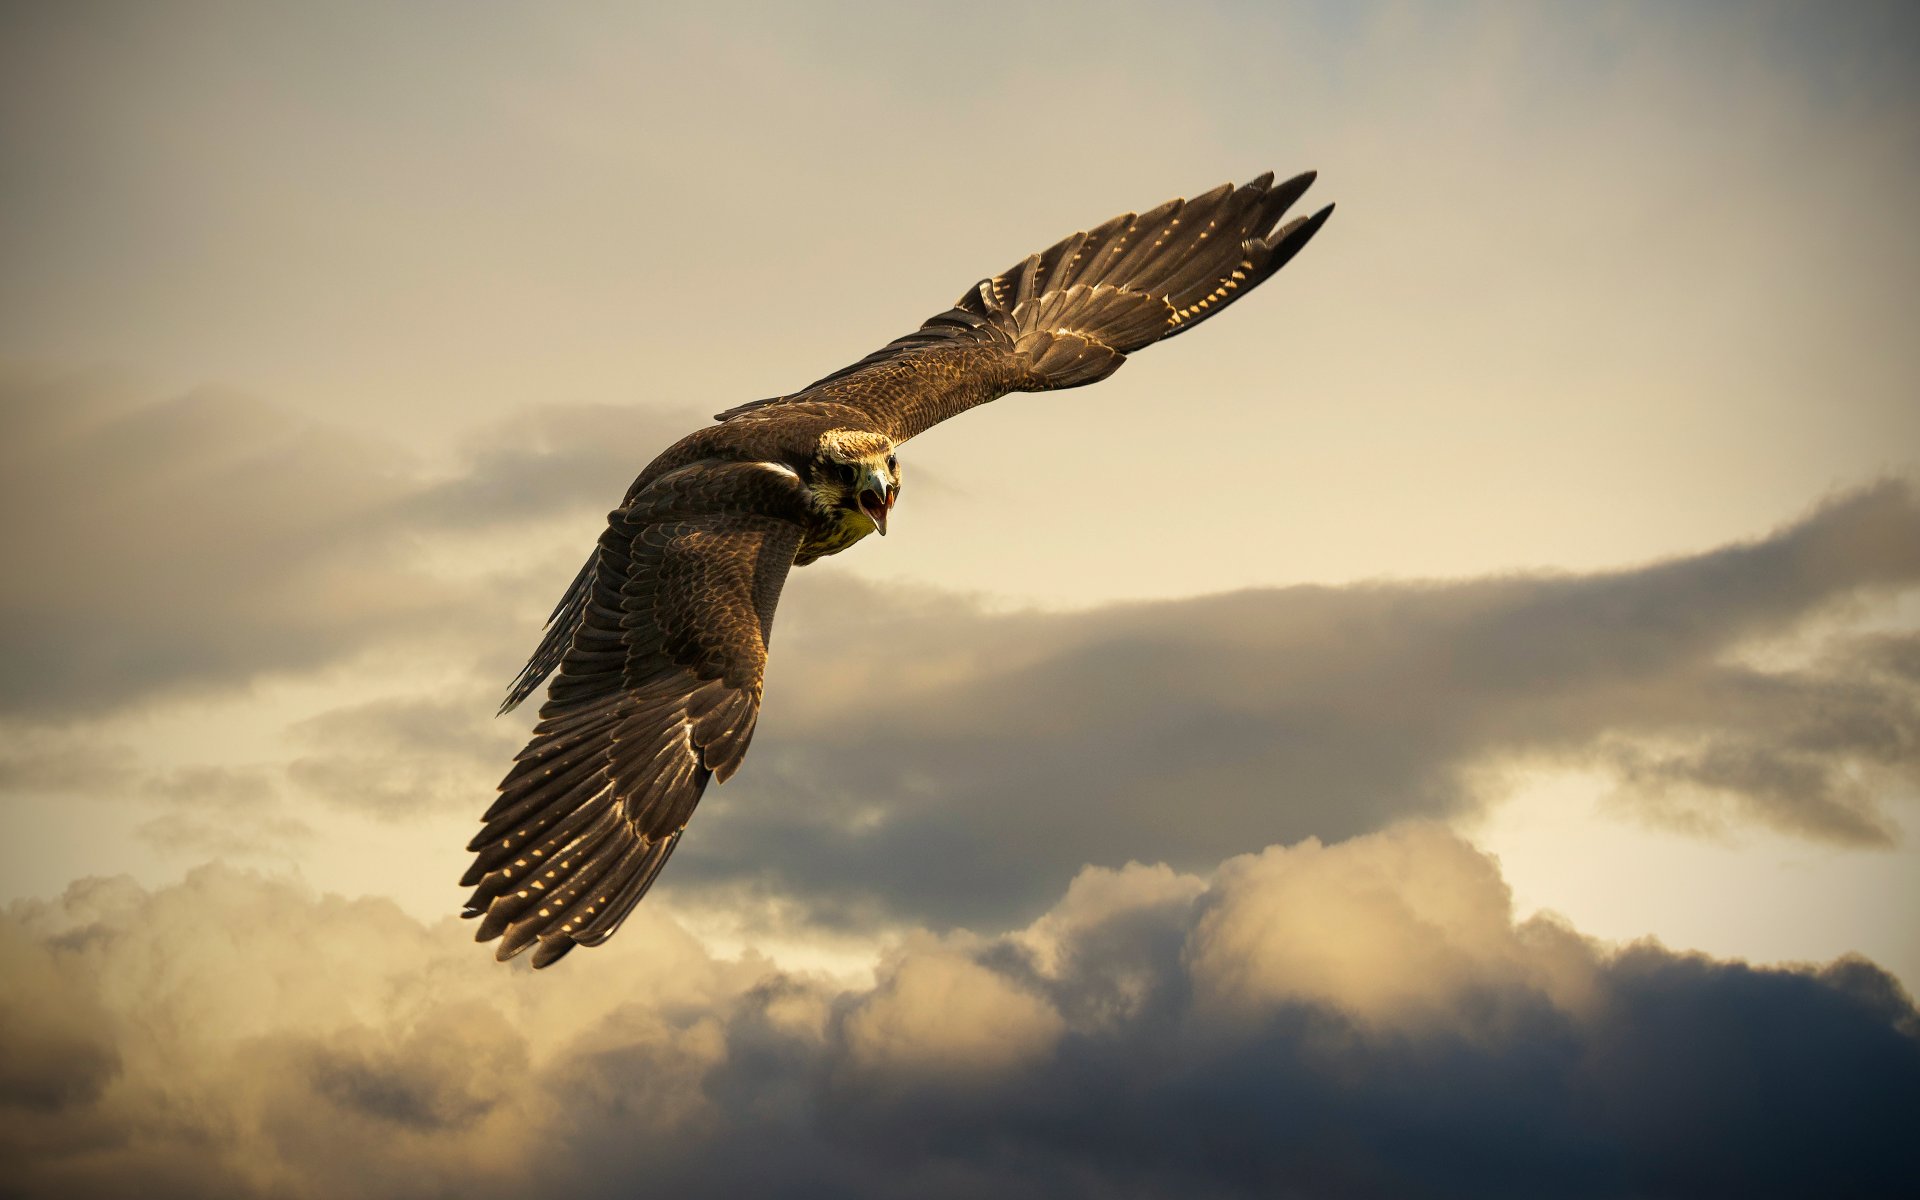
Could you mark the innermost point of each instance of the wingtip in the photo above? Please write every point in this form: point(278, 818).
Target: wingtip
point(1300, 228)
point(1215, 194)
point(1282, 196)
point(492, 925)
point(551, 951)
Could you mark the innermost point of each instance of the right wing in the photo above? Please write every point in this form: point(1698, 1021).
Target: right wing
point(1071, 314)
point(661, 646)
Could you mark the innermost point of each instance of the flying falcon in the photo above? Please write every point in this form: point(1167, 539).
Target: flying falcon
point(661, 641)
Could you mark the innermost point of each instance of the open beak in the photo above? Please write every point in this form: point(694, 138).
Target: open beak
point(876, 502)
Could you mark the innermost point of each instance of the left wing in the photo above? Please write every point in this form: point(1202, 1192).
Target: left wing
point(665, 635)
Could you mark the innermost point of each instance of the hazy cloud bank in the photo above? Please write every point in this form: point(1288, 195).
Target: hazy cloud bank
point(919, 754)
point(201, 542)
point(1361, 1018)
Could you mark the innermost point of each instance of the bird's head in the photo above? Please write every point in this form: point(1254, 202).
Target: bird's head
point(858, 472)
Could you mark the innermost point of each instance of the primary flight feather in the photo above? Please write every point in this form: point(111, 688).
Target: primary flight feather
point(658, 648)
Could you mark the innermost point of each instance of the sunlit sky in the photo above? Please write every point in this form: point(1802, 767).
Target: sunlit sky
point(1573, 460)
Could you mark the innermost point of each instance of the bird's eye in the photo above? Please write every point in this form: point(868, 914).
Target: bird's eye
point(893, 464)
point(849, 472)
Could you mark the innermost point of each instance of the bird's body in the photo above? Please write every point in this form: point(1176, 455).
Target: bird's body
point(660, 644)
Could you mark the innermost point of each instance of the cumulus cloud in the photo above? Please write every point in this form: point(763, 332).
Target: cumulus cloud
point(938, 1012)
point(1408, 928)
point(1354, 1018)
point(920, 753)
point(257, 1039)
point(59, 1052)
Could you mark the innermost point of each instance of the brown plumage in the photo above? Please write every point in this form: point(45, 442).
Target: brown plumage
point(661, 642)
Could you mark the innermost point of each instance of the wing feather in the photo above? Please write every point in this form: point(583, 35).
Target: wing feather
point(1070, 315)
point(657, 692)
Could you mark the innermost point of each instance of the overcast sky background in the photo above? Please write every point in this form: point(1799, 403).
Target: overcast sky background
point(1485, 664)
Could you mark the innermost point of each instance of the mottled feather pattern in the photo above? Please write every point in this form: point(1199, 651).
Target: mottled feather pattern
point(656, 695)
point(657, 652)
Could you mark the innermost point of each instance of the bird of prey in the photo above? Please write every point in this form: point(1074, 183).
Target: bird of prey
point(657, 650)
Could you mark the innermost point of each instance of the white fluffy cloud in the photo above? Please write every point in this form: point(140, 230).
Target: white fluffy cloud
point(1406, 928)
point(938, 1012)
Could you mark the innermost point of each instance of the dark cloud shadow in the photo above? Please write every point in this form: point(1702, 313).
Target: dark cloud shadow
point(922, 756)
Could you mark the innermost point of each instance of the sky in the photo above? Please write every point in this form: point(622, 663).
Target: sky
point(1450, 728)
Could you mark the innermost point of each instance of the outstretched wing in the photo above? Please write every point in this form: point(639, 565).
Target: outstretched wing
point(661, 646)
point(1071, 314)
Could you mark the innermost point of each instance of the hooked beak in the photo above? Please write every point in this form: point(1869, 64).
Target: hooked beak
point(876, 501)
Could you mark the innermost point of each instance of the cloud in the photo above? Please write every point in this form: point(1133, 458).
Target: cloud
point(939, 1012)
point(207, 810)
point(1354, 1018)
point(59, 1054)
point(204, 539)
point(922, 755)
point(1405, 929)
point(202, 542)
point(36, 761)
point(545, 460)
point(272, 1042)
point(398, 756)
point(920, 758)
point(444, 1074)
